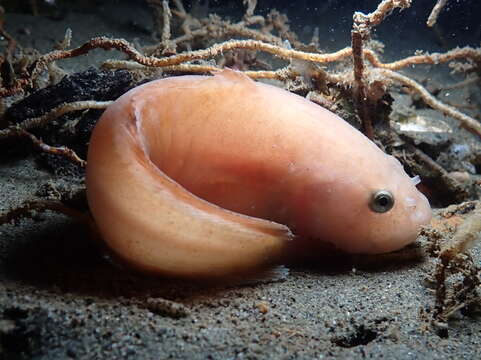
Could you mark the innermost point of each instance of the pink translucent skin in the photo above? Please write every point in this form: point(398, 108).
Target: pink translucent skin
point(250, 148)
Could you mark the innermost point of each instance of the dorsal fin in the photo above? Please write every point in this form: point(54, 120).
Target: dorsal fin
point(233, 75)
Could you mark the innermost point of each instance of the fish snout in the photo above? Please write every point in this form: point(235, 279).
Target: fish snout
point(418, 209)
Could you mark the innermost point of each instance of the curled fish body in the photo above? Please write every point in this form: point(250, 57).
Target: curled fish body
point(202, 176)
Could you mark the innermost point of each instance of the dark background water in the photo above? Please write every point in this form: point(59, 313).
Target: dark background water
point(459, 18)
point(459, 21)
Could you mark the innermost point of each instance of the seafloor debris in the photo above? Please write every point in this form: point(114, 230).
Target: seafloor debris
point(433, 17)
point(165, 307)
point(455, 276)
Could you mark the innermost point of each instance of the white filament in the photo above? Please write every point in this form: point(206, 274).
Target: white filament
point(416, 180)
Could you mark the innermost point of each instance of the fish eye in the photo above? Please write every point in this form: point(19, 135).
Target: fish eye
point(381, 201)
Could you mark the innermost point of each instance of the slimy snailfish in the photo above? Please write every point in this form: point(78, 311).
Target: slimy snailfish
point(205, 176)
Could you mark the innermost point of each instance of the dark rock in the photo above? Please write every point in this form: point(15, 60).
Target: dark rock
point(91, 84)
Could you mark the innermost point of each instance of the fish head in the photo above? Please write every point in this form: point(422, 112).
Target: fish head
point(365, 209)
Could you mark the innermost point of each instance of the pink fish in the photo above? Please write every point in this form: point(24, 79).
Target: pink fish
point(205, 176)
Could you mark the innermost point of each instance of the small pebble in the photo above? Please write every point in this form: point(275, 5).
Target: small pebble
point(263, 307)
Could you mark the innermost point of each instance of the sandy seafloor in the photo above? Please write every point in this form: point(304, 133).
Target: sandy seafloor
point(60, 298)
